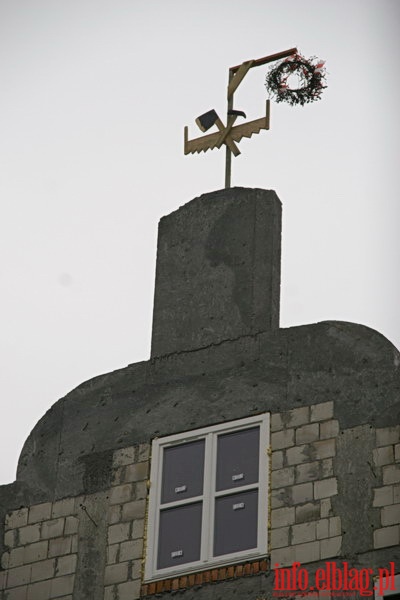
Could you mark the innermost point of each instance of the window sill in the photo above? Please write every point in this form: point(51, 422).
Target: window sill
point(200, 578)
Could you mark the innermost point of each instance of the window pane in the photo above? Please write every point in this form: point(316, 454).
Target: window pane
point(183, 471)
point(180, 535)
point(236, 522)
point(238, 458)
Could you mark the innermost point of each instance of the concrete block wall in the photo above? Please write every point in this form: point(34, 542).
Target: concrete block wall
point(126, 523)
point(45, 541)
point(386, 464)
point(304, 527)
point(42, 546)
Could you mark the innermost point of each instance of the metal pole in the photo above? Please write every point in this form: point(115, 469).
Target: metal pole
point(228, 159)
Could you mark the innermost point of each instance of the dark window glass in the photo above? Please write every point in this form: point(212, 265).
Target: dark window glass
point(180, 535)
point(238, 458)
point(235, 526)
point(183, 471)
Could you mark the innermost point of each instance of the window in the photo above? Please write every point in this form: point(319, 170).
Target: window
point(208, 498)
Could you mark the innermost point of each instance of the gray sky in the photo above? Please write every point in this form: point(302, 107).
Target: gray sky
point(94, 96)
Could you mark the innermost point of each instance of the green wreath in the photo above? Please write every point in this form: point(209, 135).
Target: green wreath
point(311, 76)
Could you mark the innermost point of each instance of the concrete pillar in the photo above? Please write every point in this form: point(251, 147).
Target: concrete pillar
point(218, 270)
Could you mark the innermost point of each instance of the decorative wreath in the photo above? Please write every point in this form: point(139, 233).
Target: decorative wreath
point(312, 77)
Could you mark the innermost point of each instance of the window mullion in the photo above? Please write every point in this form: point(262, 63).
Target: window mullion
point(205, 529)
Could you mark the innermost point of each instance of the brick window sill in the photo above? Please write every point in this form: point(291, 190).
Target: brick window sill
point(203, 577)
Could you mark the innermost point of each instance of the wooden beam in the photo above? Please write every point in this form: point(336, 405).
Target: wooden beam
point(266, 59)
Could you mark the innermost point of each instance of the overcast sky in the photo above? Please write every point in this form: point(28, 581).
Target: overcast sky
point(94, 96)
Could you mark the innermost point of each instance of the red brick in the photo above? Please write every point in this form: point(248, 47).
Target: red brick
point(151, 588)
point(143, 590)
point(167, 585)
point(206, 576)
point(247, 569)
point(263, 565)
point(256, 567)
point(175, 584)
point(183, 582)
point(159, 586)
point(199, 578)
point(239, 571)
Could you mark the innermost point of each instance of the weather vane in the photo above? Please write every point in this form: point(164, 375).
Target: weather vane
point(311, 78)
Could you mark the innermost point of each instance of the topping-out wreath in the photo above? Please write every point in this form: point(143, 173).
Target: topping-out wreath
point(311, 75)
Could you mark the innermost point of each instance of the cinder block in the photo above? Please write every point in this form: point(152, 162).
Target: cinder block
point(43, 570)
point(60, 546)
point(306, 532)
point(61, 586)
point(139, 490)
point(325, 488)
point(53, 528)
point(137, 529)
point(322, 529)
point(281, 517)
point(40, 590)
point(13, 559)
point(284, 557)
point(326, 507)
point(302, 493)
point(39, 512)
point(396, 494)
point(143, 452)
point(298, 455)
point(35, 552)
point(277, 460)
point(322, 412)
point(118, 476)
point(5, 559)
point(298, 416)
point(307, 472)
point(16, 518)
point(383, 496)
point(74, 543)
point(397, 453)
point(114, 514)
point(307, 433)
point(388, 435)
point(308, 552)
point(118, 533)
point(280, 537)
point(307, 512)
point(391, 474)
point(116, 573)
point(136, 472)
point(112, 554)
point(129, 590)
point(71, 525)
point(134, 510)
point(383, 455)
point(124, 456)
point(121, 494)
point(130, 550)
point(324, 449)
point(335, 527)
point(282, 477)
point(110, 592)
point(280, 497)
point(18, 576)
point(282, 439)
point(328, 429)
point(66, 565)
point(2, 580)
point(19, 593)
point(390, 515)
point(63, 508)
point(327, 467)
point(331, 547)
point(29, 534)
point(276, 422)
point(10, 538)
point(387, 536)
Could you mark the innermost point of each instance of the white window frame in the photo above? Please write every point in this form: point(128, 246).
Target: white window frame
point(208, 498)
